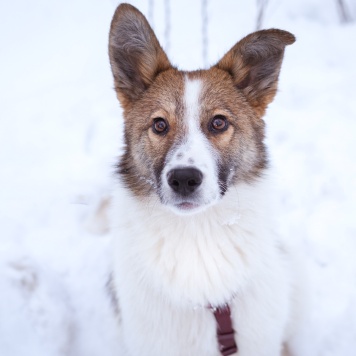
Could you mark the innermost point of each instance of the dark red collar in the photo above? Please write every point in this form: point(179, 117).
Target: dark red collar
point(224, 332)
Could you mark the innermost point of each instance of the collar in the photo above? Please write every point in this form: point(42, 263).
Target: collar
point(224, 332)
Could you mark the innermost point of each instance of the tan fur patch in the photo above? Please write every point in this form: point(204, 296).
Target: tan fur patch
point(241, 147)
point(254, 64)
point(136, 56)
point(146, 150)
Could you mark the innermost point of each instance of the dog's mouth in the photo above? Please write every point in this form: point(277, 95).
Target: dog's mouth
point(190, 206)
point(187, 206)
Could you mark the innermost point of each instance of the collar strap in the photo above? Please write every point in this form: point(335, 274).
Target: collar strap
point(225, 332)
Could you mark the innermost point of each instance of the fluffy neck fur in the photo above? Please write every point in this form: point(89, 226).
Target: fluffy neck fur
point(193, 260)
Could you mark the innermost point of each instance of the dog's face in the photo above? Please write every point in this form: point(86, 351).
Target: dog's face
point(191, 136)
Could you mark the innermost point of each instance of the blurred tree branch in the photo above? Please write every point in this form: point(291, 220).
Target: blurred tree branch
point(343, 12)
point(261, 9)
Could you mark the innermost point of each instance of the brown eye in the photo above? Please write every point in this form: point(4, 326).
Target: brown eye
point(160, 126)
point(219, 123)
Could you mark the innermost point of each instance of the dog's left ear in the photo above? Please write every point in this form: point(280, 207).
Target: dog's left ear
point(254, 64)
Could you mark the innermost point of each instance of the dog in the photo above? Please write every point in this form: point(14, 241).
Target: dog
point(197, 269)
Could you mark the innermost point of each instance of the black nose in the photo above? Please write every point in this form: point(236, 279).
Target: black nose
point(184, 180)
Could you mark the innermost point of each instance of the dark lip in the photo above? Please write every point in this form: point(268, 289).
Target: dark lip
point(187, 205)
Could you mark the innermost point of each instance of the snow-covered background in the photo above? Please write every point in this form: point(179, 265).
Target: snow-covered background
point(60, 134)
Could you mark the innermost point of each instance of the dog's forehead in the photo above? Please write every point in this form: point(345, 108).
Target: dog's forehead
point(169, 85)
point(209, 87)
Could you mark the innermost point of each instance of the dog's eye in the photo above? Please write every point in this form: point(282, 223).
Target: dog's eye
point(218, 123)
point(160, 126)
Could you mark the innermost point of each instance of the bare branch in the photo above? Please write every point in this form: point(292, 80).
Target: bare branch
point(261, 9)
point(344, 14)
point(204, 14)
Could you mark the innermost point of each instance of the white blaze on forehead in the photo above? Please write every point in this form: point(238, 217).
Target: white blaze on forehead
point(191, 101)
point(195, 150)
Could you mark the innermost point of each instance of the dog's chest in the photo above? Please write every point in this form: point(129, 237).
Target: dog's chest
point(167, 272)
point(154, 325)
point(191, 262)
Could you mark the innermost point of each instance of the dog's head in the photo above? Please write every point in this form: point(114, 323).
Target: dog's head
point(191, 136)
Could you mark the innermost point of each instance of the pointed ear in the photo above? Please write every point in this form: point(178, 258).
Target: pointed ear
point(254, 64)
point(136, 56)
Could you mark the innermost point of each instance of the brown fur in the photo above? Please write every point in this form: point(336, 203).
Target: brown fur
point(254, 64)
point(136, 56)
point(145, 152)
point(241, 147)
point(240, 87)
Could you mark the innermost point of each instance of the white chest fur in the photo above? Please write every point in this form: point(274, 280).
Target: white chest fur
point(168, 268)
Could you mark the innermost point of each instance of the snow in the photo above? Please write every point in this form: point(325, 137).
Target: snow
point(61, 133)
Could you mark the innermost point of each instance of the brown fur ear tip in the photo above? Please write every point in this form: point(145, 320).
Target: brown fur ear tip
point(287, 37)
point(125, 9)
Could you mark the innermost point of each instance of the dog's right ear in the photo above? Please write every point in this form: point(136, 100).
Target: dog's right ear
point(136, 56)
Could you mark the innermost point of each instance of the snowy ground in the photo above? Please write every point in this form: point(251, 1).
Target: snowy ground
point(60, 134)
